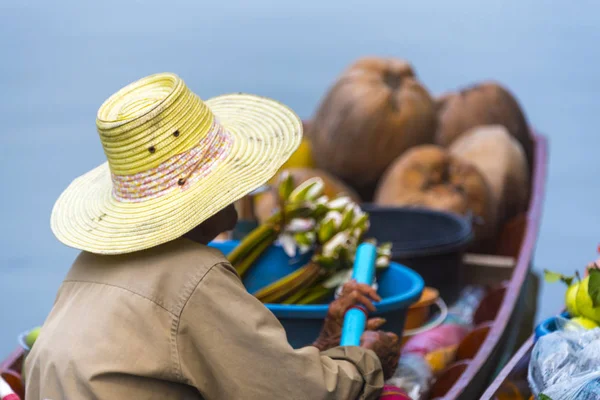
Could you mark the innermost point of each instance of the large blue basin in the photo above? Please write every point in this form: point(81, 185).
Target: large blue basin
point(399, 287)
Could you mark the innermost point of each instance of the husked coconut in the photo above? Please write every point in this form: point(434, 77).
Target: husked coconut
point(501, 160)
point(267, 203)
point(375, 111)
point(486, 103)
point(429, 176)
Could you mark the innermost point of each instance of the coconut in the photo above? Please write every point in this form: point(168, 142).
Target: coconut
point(486, 103)
point(429, 176)
point(501, 160)
point(374, 112)
point(267, 203)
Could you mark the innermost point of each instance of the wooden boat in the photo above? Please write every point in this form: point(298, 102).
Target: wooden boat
point(511, 382)
point(510, 305)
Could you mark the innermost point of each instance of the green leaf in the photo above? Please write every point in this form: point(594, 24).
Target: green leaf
point(286, 185)
point(337, 279)
point(328, 263)
point(309, 190)
point(552, 277)
point(347, 217)
point(542, 396)
point(567, 280)
point(594, 286)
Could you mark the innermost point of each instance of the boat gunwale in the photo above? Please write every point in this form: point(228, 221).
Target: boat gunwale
point(528, 243)
point(13, 358)
point(505, 373)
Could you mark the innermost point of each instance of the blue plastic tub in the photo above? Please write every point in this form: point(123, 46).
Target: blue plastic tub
point(23, 342)
point(399, 287)
point(548, 325)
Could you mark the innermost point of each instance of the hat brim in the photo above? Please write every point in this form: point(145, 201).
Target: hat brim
point(265, 134)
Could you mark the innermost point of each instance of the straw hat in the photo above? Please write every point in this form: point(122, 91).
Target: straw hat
point(173, 162)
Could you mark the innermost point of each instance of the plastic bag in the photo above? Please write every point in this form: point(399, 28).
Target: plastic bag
point(413, 376)
point(565, 364)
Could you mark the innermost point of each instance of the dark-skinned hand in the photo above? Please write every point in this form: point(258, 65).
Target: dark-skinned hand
point(353, 293)
point(387, 347)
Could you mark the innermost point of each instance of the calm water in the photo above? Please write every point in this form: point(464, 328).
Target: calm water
point(58, 62)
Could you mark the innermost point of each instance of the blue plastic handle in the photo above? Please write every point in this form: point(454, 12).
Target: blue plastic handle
point(364, 272)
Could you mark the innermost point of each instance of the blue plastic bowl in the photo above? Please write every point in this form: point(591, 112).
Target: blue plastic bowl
point(23, 343)
point(399, 287)
point(548, 325)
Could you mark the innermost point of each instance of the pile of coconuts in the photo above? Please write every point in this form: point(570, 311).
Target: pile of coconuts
point(378, 135)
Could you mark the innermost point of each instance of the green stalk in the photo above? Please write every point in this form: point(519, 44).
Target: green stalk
point(296, 296)
point(309, 279)
point(287, 286)
point(316, 294)
point(244, 265)
point(256, 236)
point(279, 284)
point(304, 291)
point(249, 242)
point(295, 286)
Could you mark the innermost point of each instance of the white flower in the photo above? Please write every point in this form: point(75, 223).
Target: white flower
point(288, 244)
point(338, 279)
point(300, 225)
point(331, 248)
point(303, 249)
point(382, 262)
point(339, 203)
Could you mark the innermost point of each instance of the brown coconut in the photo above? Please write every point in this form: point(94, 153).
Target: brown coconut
point(486, 103)
point(501, 160)
point(266, 203)
point(430, 176)
point(374, 112)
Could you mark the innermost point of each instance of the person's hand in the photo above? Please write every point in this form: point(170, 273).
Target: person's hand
point(387, 347)
point(353, 293)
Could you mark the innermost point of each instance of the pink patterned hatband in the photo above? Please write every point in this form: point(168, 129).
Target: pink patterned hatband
point(178, 172)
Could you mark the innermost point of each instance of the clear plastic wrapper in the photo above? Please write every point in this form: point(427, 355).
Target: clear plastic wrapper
point(413, 376)
point(463, 310)
point(565, 364)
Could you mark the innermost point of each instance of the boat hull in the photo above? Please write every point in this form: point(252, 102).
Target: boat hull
point(469, 378)
point(518, 241)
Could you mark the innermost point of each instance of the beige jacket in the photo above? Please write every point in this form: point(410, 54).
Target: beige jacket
point(175, 322)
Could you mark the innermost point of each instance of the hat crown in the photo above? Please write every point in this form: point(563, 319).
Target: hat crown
point(149, 121)
point(172, 164)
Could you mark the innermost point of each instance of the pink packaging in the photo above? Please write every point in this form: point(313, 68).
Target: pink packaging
point(439, 337)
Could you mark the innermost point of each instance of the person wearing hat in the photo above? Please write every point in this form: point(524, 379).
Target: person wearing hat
point(148, 310)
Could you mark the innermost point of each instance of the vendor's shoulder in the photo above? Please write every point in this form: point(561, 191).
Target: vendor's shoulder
point(165, 274)
point(179, 253)
point(206, 254)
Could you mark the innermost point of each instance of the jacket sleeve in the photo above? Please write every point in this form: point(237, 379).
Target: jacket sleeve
point(230, 346)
